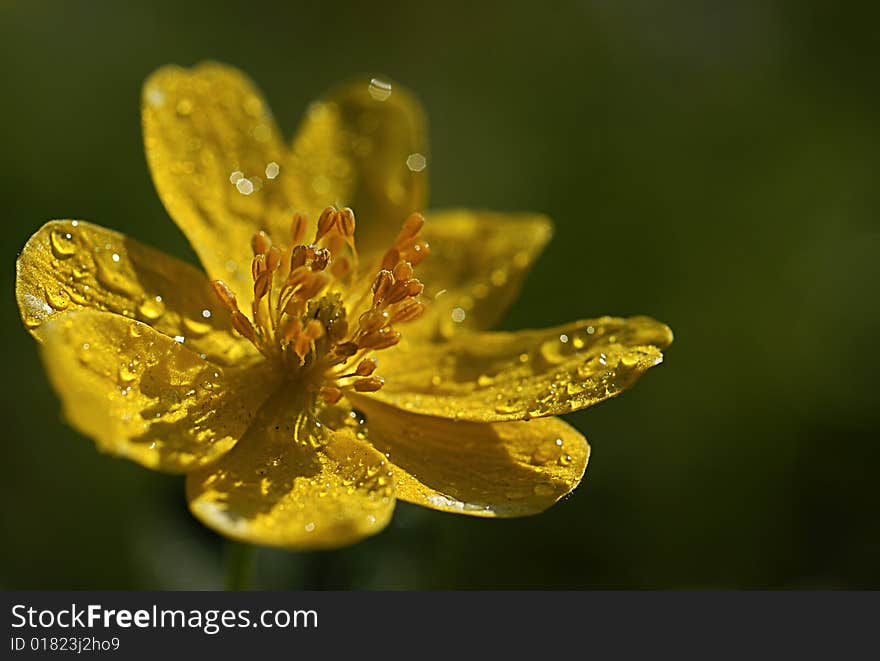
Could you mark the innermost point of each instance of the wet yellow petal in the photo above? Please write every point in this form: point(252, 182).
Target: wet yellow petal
point(69, 265)
point(516, 376)
point(500, 469)
point(293, 484)
point(364, 145)
point(217, 160)
point(476, 266)
point(143, 396)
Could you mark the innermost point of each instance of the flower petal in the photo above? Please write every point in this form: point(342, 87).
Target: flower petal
point(364, 145)
point(477, 263)
point(294, 484)
point(491, 377)
point(69, 265)
point(143, 396)
point(213, 148)
point(501, 469)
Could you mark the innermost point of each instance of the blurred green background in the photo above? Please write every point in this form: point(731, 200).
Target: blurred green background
point(711, 164)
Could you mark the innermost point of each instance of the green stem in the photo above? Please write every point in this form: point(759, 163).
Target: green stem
point(240, 561)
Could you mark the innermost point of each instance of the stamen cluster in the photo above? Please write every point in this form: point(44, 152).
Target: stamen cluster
point(299, 313)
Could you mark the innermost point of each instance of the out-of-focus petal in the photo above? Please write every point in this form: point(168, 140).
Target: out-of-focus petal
point(477, 263)
point(364, 145)
point(218, 163)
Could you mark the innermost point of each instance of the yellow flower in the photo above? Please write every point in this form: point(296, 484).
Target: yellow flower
point(262, 380)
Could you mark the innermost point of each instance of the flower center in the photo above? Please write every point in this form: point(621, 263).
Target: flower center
point(306, 294)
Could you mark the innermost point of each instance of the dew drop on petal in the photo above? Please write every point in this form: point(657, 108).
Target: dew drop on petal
point(458, 315)
point(245, 186)
point(416, 162)
point(152, 308)
point(272, 170)
point(379, 90)
point(63, 245)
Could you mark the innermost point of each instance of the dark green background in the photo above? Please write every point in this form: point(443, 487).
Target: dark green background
point(711, 164)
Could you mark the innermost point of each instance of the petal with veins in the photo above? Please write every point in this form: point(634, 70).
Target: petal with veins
point(143, 396)
point(70, 265)
point(294, 484)
point(502, 469)
point(492, 377)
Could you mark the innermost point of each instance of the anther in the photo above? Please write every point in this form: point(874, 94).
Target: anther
point(330, 394)
point(261, 285)
point(346, 222)
point(411, 228)
point(391, 258)
point(297, 229)
point(366, 367)
point(409, 312)
point(261, 243)
point(403, 271)
point(397, 293)
point(346, 349)
point(373, 320)
point(273, 258)
point(325, 222)
point(414, 287)
point(384, 281)
point(370, 384)
point(298, 257)
point(224, 293)
point(244, 326)
point(379, 339)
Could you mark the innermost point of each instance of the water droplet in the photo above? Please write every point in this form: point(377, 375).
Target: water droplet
point(180, 339)
point(458, 315)
point(63, 244)
point(485, 380)
point(379, 90)
point(236, 176)
point(206, 314)
point(558, 442)
point(57, 297)
point(115, 257)
point(152, 308)
point(245, 186)
point(310, 526)
point(416, 162)
point(590, 330)
point(565, 459)
point(272, 170)
point(126, 373)
point(563, 338)
point(358, 416)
